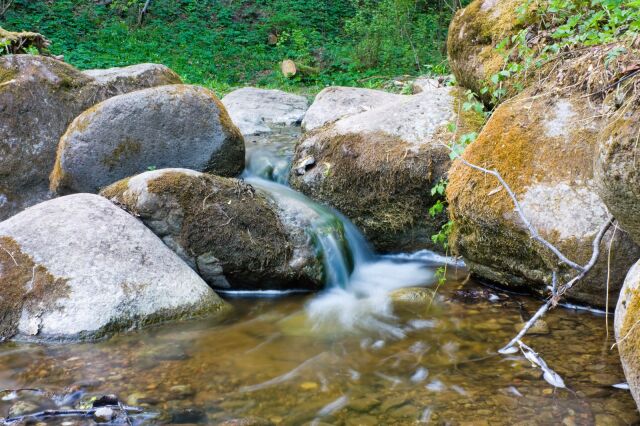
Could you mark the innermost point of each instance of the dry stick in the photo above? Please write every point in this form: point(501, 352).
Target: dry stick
point(531, 229)
point(556, 293)
point(606, 303)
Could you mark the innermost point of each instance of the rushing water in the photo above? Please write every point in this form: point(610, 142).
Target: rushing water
point(348, 356)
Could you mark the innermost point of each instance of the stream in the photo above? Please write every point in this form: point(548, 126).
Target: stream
point(346, 356)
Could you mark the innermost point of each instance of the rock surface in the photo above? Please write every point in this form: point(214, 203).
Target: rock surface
point(336, 102)
point(544, 147)
point(78, 267)
point(175, 125)
point(39, 97)
point(627, 330)
point(618, 167)
point(378, 167)
point(230, 234)
point(474, 33)
point(135, 77)
point(255, 110)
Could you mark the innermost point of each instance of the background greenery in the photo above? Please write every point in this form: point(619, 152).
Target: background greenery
point(223, 43)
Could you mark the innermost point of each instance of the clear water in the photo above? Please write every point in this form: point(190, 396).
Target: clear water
point(348, 356)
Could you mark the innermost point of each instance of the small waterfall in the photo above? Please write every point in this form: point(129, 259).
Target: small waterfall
point(357, 280)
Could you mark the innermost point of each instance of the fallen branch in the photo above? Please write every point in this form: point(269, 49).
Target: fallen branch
point(556, 292)
point(143, 11)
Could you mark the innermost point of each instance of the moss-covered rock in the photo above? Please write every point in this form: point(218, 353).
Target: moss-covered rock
point(115, 81)
point(618, 162)
point(627, 329)
point(233, 236)
point(39, 97)
point(543, 143)
point(378, 166)
point(20, 42)
point(474, 33)
point(78, 267)
point(166, 126)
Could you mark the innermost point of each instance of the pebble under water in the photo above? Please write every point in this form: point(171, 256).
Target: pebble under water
point(348, 356)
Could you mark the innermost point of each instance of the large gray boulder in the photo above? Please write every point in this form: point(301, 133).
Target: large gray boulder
point(627, 319)
point(78, 267)
point(39, 97)
point(115, 81)
point(233, 236)
point(378, 166)
point(175, 125)
point(336, 102)
point(255, 110)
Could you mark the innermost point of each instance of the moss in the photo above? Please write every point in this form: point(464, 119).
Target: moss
point(227, 219)
point(381, 183)
point(629, 348)
point(124, 150)
point(24, 285)
point(19, 42)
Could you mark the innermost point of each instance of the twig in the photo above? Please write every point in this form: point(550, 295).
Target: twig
point(606, 303)
point(41, 415)
point(11, 255)
point(143, 11)
point(530, 228)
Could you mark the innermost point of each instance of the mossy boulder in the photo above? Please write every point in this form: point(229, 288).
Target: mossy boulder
point(166, 126)
point(378, 167)
point(543, 143)
point(39, 97)
point(256, 111)
point(115, 81)
point(618, 164)
point(19, 42)
point(627, 329)
point(336, 102)
point(78, 267)
point(230, 234)
point(474, 33)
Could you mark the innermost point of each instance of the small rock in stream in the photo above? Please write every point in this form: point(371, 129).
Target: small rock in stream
point(103, 415)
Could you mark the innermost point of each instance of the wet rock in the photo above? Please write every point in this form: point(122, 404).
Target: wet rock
point(412, 299)
point(336, 102)
point(78, 267)
point(543, 146)
point(255, 110)
point(233, 236)
point(167, 126)
point(246, 421)
point(378, 166)
point(188, 416)
point(607, 420)
point(181, 392)
point(364, 404)
point(627, 331)
point(40, 96)
point(393, 402)
point(115, 81)
point(105, 400)
point(363, 421)
point(22, 408)
point(103, 415)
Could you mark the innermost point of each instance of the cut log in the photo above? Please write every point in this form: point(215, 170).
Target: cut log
point(15, 43)
point(291, 69)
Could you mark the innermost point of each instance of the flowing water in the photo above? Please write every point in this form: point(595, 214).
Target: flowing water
point(347, 356)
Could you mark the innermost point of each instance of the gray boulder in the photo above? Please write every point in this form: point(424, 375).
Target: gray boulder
point(233, 236)
point(336, 102)
point(115, 81)
point(627, 330)
point(255, 110)
point(39, 97)
point(175, 125)
point(78, 267)
point(378, 167)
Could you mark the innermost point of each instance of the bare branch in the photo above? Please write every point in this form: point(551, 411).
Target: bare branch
point(530, 228)
point(4, 7)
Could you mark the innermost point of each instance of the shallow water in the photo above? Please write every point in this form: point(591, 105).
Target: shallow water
point(347, 356)
point(267, 362)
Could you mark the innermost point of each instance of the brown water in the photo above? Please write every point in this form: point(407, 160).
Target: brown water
point(266, 362)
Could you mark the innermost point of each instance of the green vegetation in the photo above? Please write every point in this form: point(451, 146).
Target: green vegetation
point(223, 43)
